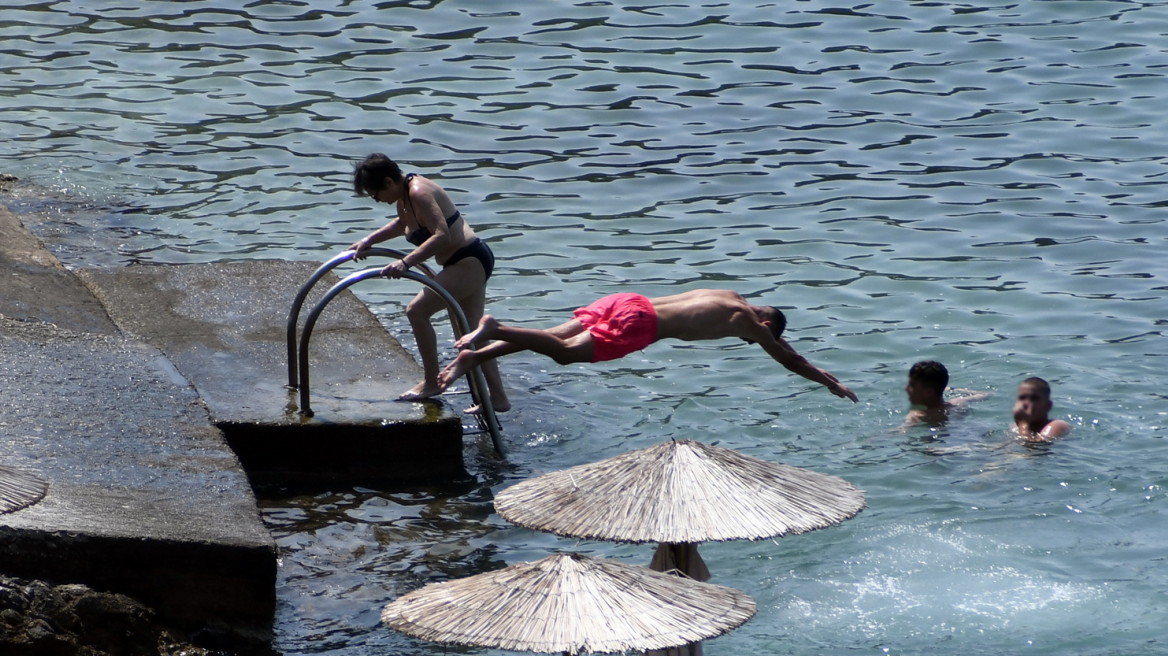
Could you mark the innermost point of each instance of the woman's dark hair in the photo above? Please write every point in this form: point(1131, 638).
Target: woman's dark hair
point(931, 373)
point(370, 175)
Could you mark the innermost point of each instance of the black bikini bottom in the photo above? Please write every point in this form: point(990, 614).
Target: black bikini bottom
point(477, 249)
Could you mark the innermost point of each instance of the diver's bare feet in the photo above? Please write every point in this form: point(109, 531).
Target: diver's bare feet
point(498, 405)
point(486, 328)
point(456, 369)
point(421, 391)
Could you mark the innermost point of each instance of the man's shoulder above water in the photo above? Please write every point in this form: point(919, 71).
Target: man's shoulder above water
point(1053, 430)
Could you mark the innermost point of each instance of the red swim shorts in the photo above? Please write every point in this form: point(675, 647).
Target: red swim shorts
point(620, 324)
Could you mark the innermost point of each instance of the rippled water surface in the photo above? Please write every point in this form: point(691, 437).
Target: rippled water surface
point(982, 184)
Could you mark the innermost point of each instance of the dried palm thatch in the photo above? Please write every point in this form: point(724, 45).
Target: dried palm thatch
point(680, 491)
point(570, 603)
point(20, 489)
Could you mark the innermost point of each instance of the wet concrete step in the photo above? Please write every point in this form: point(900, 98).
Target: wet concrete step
point(145, 497)
point(37, 287)
point(223, 327)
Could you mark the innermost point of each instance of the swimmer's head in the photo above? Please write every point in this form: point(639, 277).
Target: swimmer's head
point(1033, 397)
point(370, 175)
point(927, 381)
point(1033, 385)
point(775, 317)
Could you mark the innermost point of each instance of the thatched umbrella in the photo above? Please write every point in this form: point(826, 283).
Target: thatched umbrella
point(20, 489)
point(680, 493)
point(570, 603)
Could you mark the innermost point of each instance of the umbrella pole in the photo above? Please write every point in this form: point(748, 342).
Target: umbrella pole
point(681, 556)
point(688, 649)
point(684, 558)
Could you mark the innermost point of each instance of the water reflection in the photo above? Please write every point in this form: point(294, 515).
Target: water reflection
point(345, 554)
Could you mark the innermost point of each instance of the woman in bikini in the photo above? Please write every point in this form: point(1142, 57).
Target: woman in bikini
point(429, 220)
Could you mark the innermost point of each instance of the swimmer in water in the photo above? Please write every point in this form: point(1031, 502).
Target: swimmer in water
point(617, 325)
point(927, 381)
point(1030, 413)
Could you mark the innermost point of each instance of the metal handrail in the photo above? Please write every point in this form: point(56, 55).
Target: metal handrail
point(476, 390)
point(476, 375)
point(302, 295)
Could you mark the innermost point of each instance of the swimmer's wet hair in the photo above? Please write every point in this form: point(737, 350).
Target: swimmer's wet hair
point(1042, 385)
point(780, 322)
point(369, 176)
point(931, 373)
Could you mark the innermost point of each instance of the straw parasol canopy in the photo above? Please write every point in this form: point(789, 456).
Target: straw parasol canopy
point(570, 603)
point(20, 489)
point(680, 492)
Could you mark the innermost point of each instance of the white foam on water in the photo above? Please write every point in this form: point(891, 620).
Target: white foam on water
point(911, 584)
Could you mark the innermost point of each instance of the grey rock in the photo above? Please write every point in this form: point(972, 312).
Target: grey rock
point(74, 620)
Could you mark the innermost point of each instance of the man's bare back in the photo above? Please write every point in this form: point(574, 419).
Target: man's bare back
point(702, 314)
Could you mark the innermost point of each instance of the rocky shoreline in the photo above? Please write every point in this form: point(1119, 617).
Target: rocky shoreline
point(40, 619)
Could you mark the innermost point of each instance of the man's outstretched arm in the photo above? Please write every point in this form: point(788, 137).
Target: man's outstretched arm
point(967, 396)
point(782, 352)
point(798, 364)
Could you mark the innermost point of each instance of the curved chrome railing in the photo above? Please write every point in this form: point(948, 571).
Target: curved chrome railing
point(302, 295)
point(298, 373)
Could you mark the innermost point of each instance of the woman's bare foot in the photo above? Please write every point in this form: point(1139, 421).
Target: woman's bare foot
point(485, 330)
point(498, 405)
point(421, 391)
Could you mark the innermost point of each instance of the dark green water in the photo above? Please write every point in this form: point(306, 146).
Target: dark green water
point(982, 184)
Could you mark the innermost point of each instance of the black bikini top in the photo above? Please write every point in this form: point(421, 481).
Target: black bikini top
point(419, 236)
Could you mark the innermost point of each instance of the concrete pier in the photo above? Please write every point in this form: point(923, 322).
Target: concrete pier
point(37, 288)
point(223, 326)
point(148, 396)
point(145, 496)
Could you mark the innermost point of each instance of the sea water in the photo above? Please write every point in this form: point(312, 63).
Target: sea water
point(977, 183)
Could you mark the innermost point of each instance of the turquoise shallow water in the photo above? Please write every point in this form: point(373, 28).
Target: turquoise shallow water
point(982, 184)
